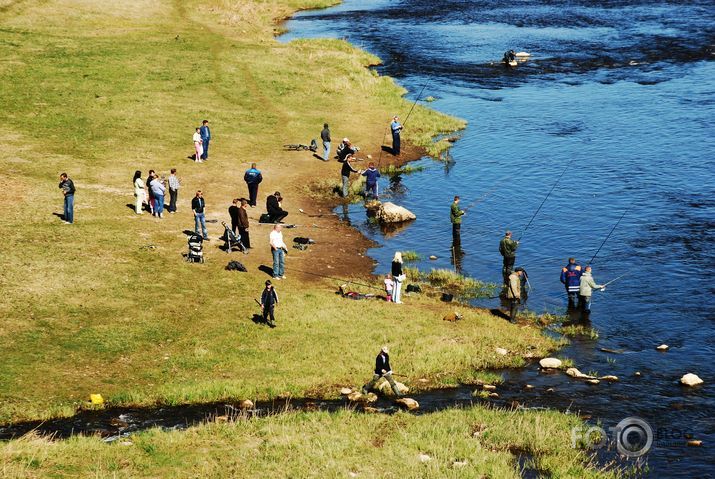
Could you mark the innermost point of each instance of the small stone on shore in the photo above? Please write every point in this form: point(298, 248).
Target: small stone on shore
point(690, 379)
point(550, 363)
point(408, 403)
point(345, 391)
point(424, 458)
point(494, 395)
point(246, 404)
point(489, 387)
point(501, 351)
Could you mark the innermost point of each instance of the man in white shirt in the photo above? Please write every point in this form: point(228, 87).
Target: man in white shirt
point(174, 185)
point(279, 250)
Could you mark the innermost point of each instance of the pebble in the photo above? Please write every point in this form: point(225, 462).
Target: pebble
point(246, 404)
point(528, 386)
point(433, 257)
point(424, 458)
point(638, 373)
point(408, 403)
point(695, 443)
point(501, 351)
point(663, 347)
point(460, 463)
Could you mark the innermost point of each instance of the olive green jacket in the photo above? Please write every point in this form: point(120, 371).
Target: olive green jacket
point(507, 247)
point(455, 214)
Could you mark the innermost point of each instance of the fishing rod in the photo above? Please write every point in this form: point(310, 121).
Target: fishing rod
point(609, 235)
point(416, 100)
point(624, 274)
point(337, 279)
point(486, 195)
point(547, 197)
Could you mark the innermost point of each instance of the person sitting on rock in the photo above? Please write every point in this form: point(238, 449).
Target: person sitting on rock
point(346, 148)
point(382, 370)
point(274, 209)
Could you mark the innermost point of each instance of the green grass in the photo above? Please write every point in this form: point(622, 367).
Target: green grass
point(411, 256)
point(446, 280)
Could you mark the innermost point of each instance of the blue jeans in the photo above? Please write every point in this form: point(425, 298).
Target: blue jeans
point(278, 263)
point(205, 143)
point(199, 218)
point(69, 209)
point(159, 204)
point(326, 150)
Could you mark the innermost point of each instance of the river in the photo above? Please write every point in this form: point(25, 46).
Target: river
point(621, 95)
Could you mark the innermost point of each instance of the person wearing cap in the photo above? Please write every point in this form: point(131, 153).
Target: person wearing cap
point(586, 287)
point(269, 300)
point(513, 293)
point(274, 209)
point(396, 128)
point(507, 248)
point(455, 216)
point(278, 250)
point(344, 149)
point(325, 136)
point(571, 279)
point(382, 370)
point(371, 175)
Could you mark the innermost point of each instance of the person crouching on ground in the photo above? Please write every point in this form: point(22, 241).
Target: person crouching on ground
point(279, 250)
point(513, 294)
point(389, 287)
point(371, 175)
point(382, 370)
point(398, 276)
point(269, 301)
point(274, 208)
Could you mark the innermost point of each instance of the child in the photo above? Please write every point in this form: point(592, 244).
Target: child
point(389, 284)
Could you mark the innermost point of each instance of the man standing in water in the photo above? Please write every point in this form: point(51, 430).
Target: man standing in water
point(507, 248)
point(382, 370)
point(571, 278)
point(396, 129)
point(455, 216)
point(325, 136)
point(587, 285)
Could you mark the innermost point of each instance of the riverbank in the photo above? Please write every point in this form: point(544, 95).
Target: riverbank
point(108, 305)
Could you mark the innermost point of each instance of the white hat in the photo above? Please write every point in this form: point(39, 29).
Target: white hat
point(385, 349)
point(345, 140)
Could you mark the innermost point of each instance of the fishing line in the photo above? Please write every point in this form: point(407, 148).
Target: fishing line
point(609, 235)
point(336, 279)
point(415, 103)
point(487, 194)
point(547, 197)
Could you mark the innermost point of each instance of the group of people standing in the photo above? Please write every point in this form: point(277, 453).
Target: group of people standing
point(202, 139)
point(393, 280)
point(153, 191)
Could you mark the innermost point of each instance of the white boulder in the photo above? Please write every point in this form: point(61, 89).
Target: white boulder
point(690, 379)
point(408, 403)
point(391, 213)
point(550, 363)
point(384, 387)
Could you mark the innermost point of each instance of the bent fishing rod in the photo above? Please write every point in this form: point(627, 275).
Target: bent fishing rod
point(608, 236)
point(547, 197)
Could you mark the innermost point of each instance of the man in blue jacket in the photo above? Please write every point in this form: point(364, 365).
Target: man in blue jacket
point(382, 370)
point(396, 128)
point(253, 178)
point(205, 132)
point(371, 175)
point(571, 278)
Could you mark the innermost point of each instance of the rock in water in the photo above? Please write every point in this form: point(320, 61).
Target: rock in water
point(370, 398)
point(574, 373)
point(609, 378)
point(408, 403)
point(690, 379)
point(663, 347)
point(549, 363)
point(432, 257)
point(391, 213)
point(695, 443)
point(593, 381)
point(489, 387)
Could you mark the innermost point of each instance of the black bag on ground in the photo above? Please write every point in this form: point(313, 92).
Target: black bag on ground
point(265, 218)
point(446, 297)
point(302, 240)
point(236, 266)
point(413, 288)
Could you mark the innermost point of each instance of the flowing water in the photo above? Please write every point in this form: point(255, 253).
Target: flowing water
point(622, 89)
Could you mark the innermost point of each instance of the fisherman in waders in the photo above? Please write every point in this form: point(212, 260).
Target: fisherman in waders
point(571, 278)
point(587, 285)
point(507, 248)
point(455, 216)
point(513, 293)
point(382, 370)
point(396, 129)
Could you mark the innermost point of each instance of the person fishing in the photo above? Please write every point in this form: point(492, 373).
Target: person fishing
point(455, 216)
point(571, 279)
point(371, 175)
point(507, 248)
point(586, 287)
point(513, 293)
point(382, 370)
point(269, 300)
point(396, 129)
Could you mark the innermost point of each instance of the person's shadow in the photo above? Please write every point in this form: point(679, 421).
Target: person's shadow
point(60, 216)
point(266, 269)
point(257, 319)
point(499, 313)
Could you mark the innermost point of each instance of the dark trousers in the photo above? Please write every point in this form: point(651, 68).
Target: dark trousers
point(279, 216)
point(268, 311)
point(173, 195)
point(234, 226)
point(456, 234)
point(205, 155)
point(573, 299)
point(513, 307)
point(395, 143)
point(507, 268)
point(252, 193)
point(244, 237)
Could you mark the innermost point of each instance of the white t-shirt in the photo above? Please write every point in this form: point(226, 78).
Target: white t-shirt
point(276, 240)
point(197, 137)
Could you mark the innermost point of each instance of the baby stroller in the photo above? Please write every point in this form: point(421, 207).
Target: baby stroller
point(196, 249)
point(232, 240)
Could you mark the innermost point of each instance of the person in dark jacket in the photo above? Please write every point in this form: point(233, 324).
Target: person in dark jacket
point(325, 136)
point(571, 279)
point(243, 224)
point(398, 277)
point(274, 209)
point(455, 216)
point(371, 175)
point(269, 301)
point(382, 370)
point(198, 206)
point(345, 174)
point(507, 248)
point(344, 149)
point(233, 213)
point(68, 189)
point(205, 132)
point(396, 129)
point(253, 178)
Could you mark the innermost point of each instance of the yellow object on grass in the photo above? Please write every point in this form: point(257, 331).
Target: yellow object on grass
point(96, 399)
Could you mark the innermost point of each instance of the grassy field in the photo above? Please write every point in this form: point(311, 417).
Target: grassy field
point(100, 89)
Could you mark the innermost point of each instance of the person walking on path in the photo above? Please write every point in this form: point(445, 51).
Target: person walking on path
point(455, 216)
point(243, 224)
point(507, 248)
point(571, 279)
point(138, 192)
point(174, 185)
point(198, 147)
point(347, 168)
point(586, 287)
point(382, 370)
point(253, 178)
point(274, 209)
point(269, 301)
point(513, 294)
point(325, 136)
point(233, 213)
point(279, 250)
point(198, 206)
point(158, 190)
point(398, 276)
point(68, 189)
point(371, 175)
point(396, 128)
point(205, 139)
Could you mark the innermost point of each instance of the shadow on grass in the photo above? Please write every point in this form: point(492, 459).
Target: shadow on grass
point(60, 216)
point(499, 313)
point(266, 269)
point(258, 319)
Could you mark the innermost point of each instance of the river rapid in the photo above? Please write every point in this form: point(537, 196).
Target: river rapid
point(621, 94)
